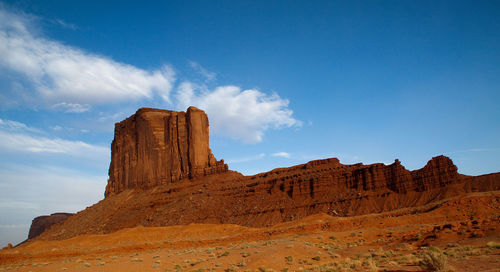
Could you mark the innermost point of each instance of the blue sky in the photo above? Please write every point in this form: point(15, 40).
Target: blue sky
point(283, 82)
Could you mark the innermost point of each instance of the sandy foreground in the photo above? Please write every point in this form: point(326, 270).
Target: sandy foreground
point(457, 234)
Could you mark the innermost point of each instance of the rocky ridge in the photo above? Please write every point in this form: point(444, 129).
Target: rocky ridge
point(163, 173)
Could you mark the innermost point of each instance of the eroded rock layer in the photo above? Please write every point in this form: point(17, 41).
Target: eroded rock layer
point(280, 195)
point(154, 147)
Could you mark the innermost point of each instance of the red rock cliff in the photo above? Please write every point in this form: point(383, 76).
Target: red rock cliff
point(154, 147)
point(280, 195)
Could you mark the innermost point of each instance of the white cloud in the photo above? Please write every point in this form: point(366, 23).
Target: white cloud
point(202, 71)
point(247, 159)
point(71, 107)
point(35, 144)
point(65, 78)
point(64, 24)
point(243, 115)
point(64, 74)
point(281, 154)
point(16, 126)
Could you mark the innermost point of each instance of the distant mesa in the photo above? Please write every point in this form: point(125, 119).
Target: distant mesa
point(163, 173)
point(41, 223)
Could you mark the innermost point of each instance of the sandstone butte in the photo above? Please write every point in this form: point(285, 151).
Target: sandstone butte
point(41, 223)
point(163, 173)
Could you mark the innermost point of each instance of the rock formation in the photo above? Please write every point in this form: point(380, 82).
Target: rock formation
point(41, 223)
point(154, 147)
point(280, 195)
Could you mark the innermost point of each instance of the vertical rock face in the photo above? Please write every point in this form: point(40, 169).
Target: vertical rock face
point(154, 147)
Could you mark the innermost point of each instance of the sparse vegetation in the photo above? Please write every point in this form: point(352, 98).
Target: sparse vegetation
point(434, 260)
point(370, 264)
point(352, 264)
point(307, 253)
point(388, 253)
point(492, 244)
point(333, 254)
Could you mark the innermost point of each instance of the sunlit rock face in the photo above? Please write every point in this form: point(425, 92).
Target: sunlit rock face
point(154, 147)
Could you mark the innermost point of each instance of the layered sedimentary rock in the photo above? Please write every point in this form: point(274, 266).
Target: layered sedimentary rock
point(154, 147)
point(41, 223)
point(280, 195)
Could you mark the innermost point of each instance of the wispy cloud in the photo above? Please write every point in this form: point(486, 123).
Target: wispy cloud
point(247, 159)
point(64, 74)
point(11, 125)
point(281, 154)
point(60, 77)
point(71, 107)
point(64, 24)
point(243, 115)
point(209, 76)
point(36, 144)
point(18, 137)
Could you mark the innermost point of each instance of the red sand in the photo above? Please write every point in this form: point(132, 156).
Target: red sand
point(460, 227)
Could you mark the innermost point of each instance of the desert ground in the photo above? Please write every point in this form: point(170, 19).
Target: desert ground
point(455, 234)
